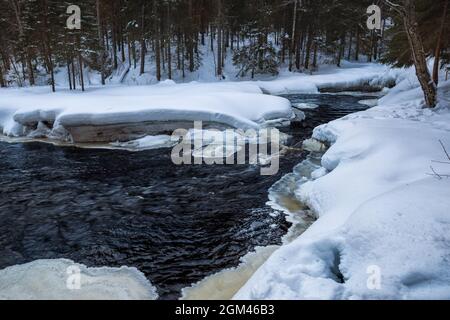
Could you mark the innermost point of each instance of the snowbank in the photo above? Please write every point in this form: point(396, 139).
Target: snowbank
point(351, 77)
point(124, 113)
point(51, 280)
point(383, 229)
point(239, 106)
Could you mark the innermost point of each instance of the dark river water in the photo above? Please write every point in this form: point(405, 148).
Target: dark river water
point(177, 224)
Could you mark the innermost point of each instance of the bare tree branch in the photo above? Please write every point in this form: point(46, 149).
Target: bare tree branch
point(394, 6)
point(445, 150)
point(435, 173)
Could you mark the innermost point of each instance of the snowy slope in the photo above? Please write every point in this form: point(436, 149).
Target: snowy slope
point(384, 219)
point(51, 280)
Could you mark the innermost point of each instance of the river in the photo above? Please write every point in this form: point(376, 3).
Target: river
point(177, 224)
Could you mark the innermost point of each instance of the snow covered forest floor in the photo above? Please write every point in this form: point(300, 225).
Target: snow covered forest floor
point(381, 199)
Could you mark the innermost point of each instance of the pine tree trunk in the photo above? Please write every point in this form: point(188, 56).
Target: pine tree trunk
point(114, 45)
point(74, 79)
point(349, 53)
point(157, 43)
point(30, 68)
point(315, 55)
point(169, 47)
point(100, 39)
point(418, 53)
point(2, 81)
point(133, 50)
point(437, 53)
point(80, 63)
point(143, 48)
point(292, 44)
point(52, 73)
point(68, 74)
point(129, 51)
point(219, 40)
point(357, 43)
point(309, 46)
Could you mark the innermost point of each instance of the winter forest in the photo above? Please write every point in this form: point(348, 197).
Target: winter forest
point(258, 35)
point(224, 150)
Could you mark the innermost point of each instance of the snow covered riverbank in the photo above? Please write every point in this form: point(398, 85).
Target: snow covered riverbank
point(124, 113)
point(383, 229)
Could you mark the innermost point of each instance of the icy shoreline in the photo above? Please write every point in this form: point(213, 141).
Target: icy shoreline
point(382, 231)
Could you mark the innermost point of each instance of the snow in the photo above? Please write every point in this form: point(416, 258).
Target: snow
point(379, 207)
point(383, 217)
point(351, 75)
point(234, 104)
point(239, 106)
point(51, 280)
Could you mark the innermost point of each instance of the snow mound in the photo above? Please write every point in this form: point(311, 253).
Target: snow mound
point(239, 106)
point(52, 280)
point(383, 228)
point(352, 76)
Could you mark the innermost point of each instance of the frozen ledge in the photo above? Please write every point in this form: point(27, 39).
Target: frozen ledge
point(95, 117)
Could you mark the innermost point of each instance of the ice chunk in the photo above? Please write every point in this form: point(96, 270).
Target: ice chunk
point(58, 280)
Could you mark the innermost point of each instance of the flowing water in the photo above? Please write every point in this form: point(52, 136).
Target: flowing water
point(177, 224)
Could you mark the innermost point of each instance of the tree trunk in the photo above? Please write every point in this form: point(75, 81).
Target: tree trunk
point(418, 53)
point(114, 46)
point(129, 51)
point(349, 53)
point(157, 41)
point(30, 68)
point(169, 47)
point(80, 63)
point(100, 39)
point(437, 54)
point(68, 74)
point(52, 73)
point(292, 43)
point(309, 46)
point(74, 79)
point(219, 40)
point(143, 48)
point(315, 55)
point(357, 43)
point(2, 81)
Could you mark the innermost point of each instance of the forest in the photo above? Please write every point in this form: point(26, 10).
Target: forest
point(260, 35)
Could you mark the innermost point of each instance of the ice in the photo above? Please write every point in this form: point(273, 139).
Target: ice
point(54, 280)
point(369, 102)
point(305, 106)
point(224, 284)
point(148, 143)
